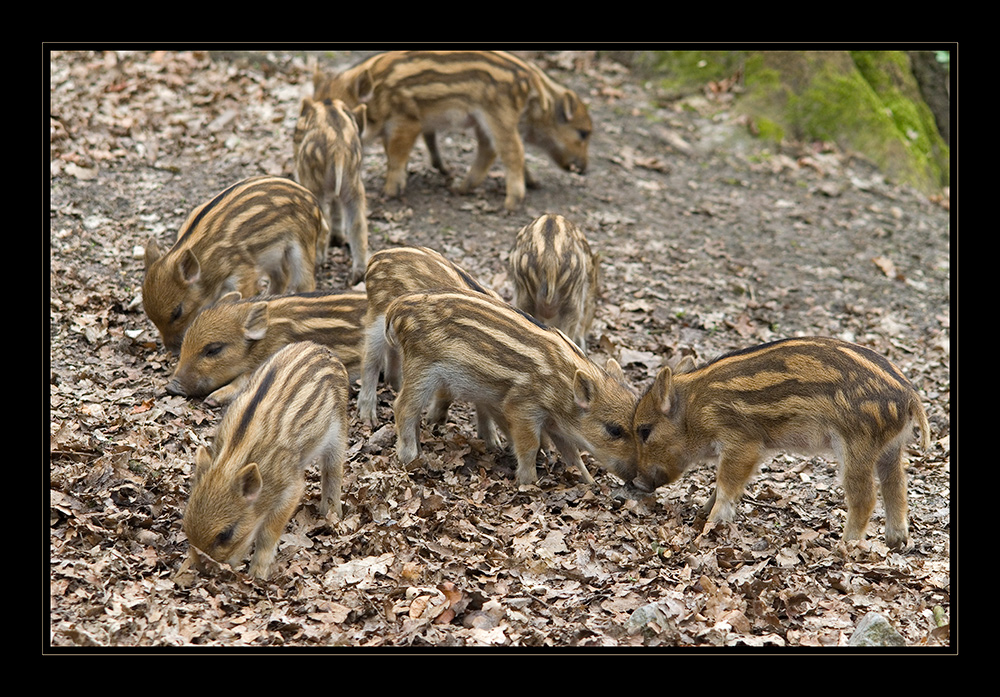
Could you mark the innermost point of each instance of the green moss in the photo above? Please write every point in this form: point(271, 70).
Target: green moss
point(839, 108)
point(888, 74)
point(759, 77)
point(686, 71)
point(867, 102)
point(770, 130)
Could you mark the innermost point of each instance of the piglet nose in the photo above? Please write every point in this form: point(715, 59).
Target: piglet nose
point(174, 388)
point(642, 485)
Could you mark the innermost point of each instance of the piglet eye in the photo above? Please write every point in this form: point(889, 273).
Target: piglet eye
point(584, 135)
point(213, 349)
point(176, 315)
point(614, 430)
point(644, 432)
point(224, 536)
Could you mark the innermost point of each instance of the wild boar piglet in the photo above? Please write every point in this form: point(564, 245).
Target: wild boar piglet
point(258, 236)
point(529, 379)
point(505, 100)
point(805, 395)
point(229, 340)
point(328, 162)
point(392, 273)
point(556, 276)
point(245, 489)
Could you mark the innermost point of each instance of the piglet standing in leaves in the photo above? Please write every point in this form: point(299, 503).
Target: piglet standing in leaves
point(531, 380)
point(556, 276)
point(505, 100)
point(328, 162)
point(393, 273)
point(259, 235)
point(245, 489)
point(806, 395)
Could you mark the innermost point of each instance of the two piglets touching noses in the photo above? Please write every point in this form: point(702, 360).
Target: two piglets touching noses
point(246, 487)
point(261, 235)
point(507, 101)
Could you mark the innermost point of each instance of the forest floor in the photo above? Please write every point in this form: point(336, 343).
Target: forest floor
point(710, 241)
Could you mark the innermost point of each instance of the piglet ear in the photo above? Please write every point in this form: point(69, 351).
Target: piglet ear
point(151, 254)
point(663, 389)
point(364, 87)
point(615, 370)
point(583, 390)
point(233, 296)
point(255, 326)
point(685, 365)
point(568, 107)
point(318, 77)
point(250, 482)
point(202, 461)
point(189, 268)
point(360, 112)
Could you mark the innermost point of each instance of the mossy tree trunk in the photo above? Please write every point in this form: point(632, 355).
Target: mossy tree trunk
point(867, 102)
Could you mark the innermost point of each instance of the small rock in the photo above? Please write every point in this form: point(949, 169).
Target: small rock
point(875, 630)
point(647, 619)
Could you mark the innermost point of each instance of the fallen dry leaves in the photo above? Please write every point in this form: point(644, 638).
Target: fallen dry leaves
point(450, 553)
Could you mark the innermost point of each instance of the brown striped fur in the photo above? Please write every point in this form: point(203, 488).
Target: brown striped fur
point(555, 275)
point(803, 395)
point(244, 491)
point(260, 234)
point(228, 341)
point(501, 97)
point(392, 273)
point(531, 380)
point(328, 162)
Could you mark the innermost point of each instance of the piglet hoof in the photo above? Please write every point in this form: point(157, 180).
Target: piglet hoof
point(324, 510)
point(492, 444)
point(527, 478)
point(512, 206)
point(407, 455)
point(713, 530)
point(394, 187)
point(460, 187)
point(261, 574)
point(898, 543)
point(366, 412)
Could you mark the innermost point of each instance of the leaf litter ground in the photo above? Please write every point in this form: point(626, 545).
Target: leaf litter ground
point(710, 241)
